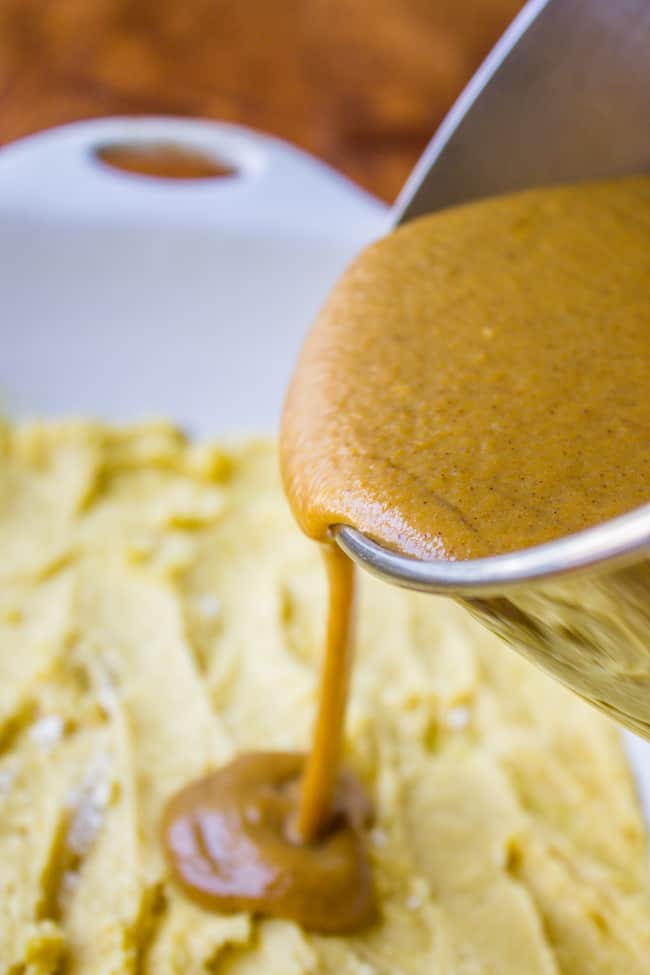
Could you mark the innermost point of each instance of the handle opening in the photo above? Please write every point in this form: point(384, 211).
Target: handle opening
point(166, 160)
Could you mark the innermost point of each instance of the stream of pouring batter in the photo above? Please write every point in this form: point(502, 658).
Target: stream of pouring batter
point(281, 833)
point(322, 769)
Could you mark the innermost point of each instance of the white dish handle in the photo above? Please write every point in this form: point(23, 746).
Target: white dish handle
point(125, 296)
point(57, 172)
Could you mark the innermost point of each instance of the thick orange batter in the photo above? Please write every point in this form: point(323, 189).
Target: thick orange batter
point(479, 381)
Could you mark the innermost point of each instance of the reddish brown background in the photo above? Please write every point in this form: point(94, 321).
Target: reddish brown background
point(361, 83)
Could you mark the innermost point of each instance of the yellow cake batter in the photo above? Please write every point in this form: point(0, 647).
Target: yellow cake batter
point(160, 613)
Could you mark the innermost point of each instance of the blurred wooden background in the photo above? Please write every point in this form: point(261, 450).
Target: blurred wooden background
point(361, 83)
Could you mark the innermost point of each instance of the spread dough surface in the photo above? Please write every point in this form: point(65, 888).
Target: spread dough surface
point(160, 613)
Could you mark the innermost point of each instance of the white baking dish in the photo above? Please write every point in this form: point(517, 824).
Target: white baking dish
point(124, 297)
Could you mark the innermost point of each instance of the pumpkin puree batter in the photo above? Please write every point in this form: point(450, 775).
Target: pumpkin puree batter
point(479, 380)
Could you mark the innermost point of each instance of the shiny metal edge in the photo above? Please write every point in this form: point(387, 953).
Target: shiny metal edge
point(563, 97)
point(402, 208)
point(605, 546)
